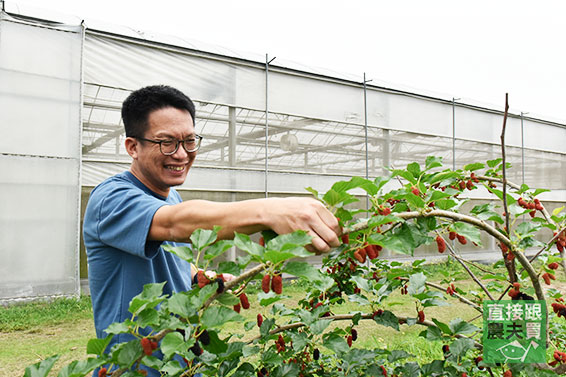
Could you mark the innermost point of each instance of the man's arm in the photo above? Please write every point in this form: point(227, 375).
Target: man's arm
point(282, 215)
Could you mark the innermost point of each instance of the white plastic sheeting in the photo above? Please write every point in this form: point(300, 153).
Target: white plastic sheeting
point(40, 117)
point(316, 133)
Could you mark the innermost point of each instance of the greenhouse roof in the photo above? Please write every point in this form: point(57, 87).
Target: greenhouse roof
point(254, 58)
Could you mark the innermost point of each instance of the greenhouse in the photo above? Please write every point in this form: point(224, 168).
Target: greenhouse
point(270, 128)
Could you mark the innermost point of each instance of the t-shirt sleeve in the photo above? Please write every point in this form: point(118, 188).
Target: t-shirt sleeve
point(124, 219)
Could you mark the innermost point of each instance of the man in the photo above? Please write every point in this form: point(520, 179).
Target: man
point(130, 215)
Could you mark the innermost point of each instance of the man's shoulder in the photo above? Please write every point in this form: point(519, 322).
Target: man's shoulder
point(115, 182)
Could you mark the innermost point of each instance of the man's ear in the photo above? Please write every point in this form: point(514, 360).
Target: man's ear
point(132, 145)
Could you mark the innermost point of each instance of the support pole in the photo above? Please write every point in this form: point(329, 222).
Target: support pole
point(454, 132)
point(232, 136)
point(366, 133)
point(522, 148)
point(267, 62)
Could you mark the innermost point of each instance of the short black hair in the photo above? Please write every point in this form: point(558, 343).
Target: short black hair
point(140, 103)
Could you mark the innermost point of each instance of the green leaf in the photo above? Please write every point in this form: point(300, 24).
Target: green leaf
point(414, 201)
point(228, 299)
point(201, 238)
point(318, 327)
point(80, 368)
point(499, 194)
point(42, 368)
point(540, 191)
point(228, 267)
point(129, 353)
point(270, 357)
point(387, 319)
point(436, 195)
point(367, 185)
point(499, 277)
point(149, 297)
point(266, 326)
point(493, 163)
point(379, 182)
point(461, 346)
point(152, 362)
point(528, 227)
point(289, 241)
point(324, 284)
point(393, 243)
point(432, 333)
point(172, 368)
point(435, 368)
point(469, 231)
point(359, 299)
point(474, 166)
point(482, 208)
point(244, 370)
point(98, 346)
point(362, 283)
point(442, 176)
point(173, 343)
point(433, 162)
point(251, 351)
point(217, 249)
point(416, 283)
point(397, 355)
point(491, 216)
point(304, 270)
point(405, 174)
point(244, 242)
point(313, 192)
point(459, 326)
point(556, 211)
point(183, 252)
point(215, 316)
point(287, 370)
point(266, 299)
point(147, 317)
point(117, 328)
point(524, 188)
point(335, 343)
point(333, 198)
point(276, 257)
point(300, 340)
point(411, 370)
point(180, 304)
point(415, 169)
point(445, 204)
point(378, 220)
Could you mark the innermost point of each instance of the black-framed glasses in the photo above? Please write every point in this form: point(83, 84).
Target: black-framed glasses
point(170, 146)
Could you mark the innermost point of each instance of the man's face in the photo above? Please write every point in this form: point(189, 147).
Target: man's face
point(157, 171)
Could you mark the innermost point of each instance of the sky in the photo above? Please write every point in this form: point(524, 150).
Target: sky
point(476, 51)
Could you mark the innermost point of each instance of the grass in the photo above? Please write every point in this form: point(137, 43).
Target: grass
point(34, 331)
point(36, 314)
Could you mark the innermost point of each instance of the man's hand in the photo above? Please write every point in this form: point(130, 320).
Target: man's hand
point(285, 215)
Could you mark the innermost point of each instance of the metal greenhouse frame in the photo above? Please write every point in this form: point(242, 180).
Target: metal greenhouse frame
point(270, 128)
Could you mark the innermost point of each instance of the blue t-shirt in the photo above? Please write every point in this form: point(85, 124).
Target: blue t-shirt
point(121, 260)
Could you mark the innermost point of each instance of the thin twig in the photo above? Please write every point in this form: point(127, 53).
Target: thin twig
point(484, 270)
point(509, 264)
point(349, 317)
point(470, 272)
point(461, 298)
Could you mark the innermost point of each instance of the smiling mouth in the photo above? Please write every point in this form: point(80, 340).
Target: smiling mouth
point(176, 168)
